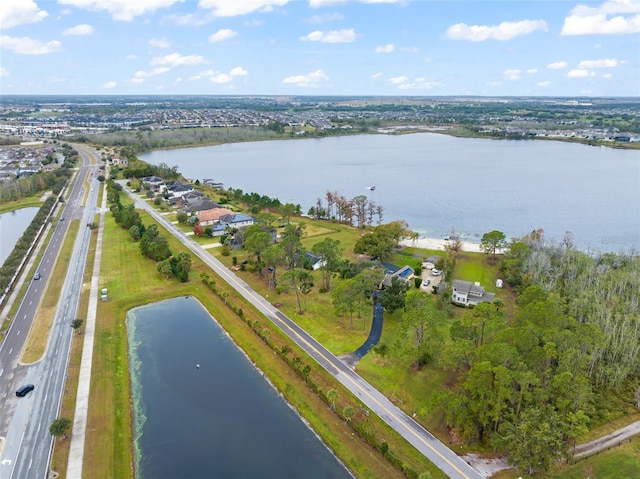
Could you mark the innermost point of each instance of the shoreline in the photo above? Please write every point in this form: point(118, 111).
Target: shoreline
point(439, 244)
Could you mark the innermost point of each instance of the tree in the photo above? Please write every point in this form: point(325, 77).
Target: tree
point(348, 413)
point(301, 280)
point(256, 241)
point(393, 297)
point(419, 329)
point(182, 217)
point(76, 323)
point(164, 268)
point(60, 427)
point(332, 397)
point(493, 241)
point(331, 253)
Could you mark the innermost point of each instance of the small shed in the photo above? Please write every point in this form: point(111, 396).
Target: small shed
point(498, 283)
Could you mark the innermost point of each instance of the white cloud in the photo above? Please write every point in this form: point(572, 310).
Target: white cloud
point(222, 35)
point(327, 3)
point(238, 72)
point(221, 78)
point(418, 84)
point(543, 84)
point(79, 30)
point(326, 18)
point(140, 76)
point(494, 84)
point(576, 73)
point(504, 31)
point(14, 13)
point(109, 84)
point(175, 59)
point(122, 10)
point(233, 8)
point(512, 74)
point(132, 57)
point(531, 71)
point(3, 72)
point(613, 17)
point(28, 46)
point(310, 80)
point(607, 76)
point(557, 65)
point(159, 43)
point(385, 48)
point(376, 76)
point(253, 23)
point(398, 80)
point(331, 36)
point(604, 63)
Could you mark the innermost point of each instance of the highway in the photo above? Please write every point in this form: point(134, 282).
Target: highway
point(24, 424)
point(443, 457)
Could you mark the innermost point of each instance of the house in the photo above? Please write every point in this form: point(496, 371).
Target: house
point(466, 293)
point(178, 190)
point(230, 220)
point(314, 261)
point(153, 182)
point(212, 216)
point(406, 273)
point(191, 204)
point(115, 161)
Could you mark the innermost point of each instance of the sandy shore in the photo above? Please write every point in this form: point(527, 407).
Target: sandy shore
point(439, 244)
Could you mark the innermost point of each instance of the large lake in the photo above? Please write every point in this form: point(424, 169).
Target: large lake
point(222, 419)
point(436, 182)
point(12, 226)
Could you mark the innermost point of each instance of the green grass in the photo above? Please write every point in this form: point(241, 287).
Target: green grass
point(31, 201)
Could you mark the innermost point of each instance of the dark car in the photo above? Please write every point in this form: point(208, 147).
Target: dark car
point(24, 390)
point(37, 276)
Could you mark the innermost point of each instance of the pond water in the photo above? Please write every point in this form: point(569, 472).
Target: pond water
point(12, 225)
point(221, 419)
point(435, 182)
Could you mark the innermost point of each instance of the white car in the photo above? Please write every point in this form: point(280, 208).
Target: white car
point(435, 272)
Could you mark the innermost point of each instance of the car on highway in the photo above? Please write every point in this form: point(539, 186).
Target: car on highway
point(22, 391)
point(62, 218)
point(435, 272)
point(37, 276)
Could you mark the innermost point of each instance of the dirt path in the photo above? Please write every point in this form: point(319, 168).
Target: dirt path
point(608, 441)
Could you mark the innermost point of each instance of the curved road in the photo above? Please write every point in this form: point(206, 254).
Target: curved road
point(443, 457)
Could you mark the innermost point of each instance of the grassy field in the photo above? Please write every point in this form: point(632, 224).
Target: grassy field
point(31, 201)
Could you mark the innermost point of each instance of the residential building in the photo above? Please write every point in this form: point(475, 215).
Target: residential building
point(466, 293)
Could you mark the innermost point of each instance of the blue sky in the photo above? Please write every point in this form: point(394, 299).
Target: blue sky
point(320, 47)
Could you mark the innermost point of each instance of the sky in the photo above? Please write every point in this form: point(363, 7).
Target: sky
point(320, 47)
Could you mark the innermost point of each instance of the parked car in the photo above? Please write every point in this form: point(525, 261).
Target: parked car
point(22, 391)
point(436, 272)
point(426, 282)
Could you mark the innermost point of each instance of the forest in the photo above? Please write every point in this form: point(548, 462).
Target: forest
point(566, 361)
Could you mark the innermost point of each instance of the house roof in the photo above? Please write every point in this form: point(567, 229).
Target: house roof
point(467, 287)
point(214, 214)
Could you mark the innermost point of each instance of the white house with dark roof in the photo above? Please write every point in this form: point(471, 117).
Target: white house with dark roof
point(466, 293)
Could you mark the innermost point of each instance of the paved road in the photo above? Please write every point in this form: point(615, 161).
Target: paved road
point(25, 421)
point(445, 459)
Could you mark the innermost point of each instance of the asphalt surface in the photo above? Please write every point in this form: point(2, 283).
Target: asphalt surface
point(24, 426)
point(443, 457)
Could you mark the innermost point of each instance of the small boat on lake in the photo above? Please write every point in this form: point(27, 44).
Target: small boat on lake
point(372, 187)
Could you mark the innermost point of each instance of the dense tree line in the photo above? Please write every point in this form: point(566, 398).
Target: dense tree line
point(529, 386)
point(383, 240)
point(18, 188)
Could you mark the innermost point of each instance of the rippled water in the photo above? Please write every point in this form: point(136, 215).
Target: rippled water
point(222, 419)
point(436, 182)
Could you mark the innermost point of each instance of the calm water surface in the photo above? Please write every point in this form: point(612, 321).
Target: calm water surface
point(221, 420)
point(436, 182)
point(12, 226)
